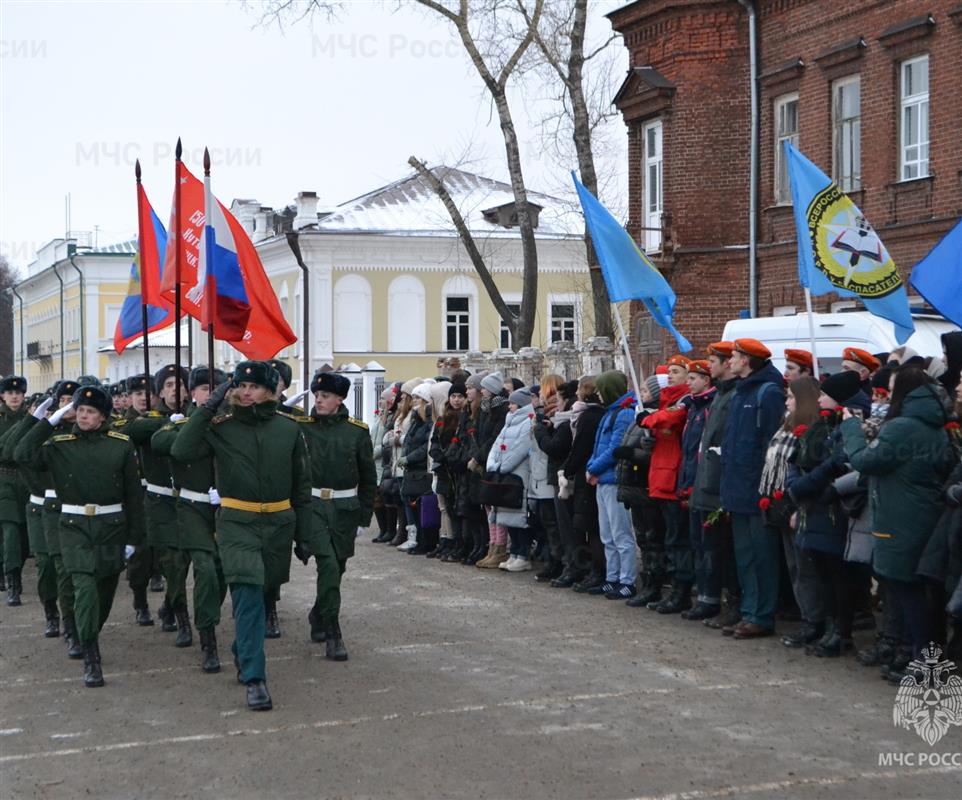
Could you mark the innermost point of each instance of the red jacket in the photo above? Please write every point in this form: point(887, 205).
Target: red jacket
point(667, 424)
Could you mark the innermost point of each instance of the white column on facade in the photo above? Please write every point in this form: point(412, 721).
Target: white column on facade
point(369, 375)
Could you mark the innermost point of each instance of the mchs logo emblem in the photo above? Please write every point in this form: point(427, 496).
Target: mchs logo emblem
point(847, 250)
point(929, 700)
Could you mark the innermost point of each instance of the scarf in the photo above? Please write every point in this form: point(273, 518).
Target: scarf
point(781, 448)
point(579, 408)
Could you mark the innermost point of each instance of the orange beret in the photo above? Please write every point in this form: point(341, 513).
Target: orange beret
point(679, 361)
point(752, 347)
point(661, 369)
point(801, 357)
point(863, 357)
point(700, 366)
point(721, 349)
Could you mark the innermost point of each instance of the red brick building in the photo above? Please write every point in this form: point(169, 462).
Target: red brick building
point(870, 90)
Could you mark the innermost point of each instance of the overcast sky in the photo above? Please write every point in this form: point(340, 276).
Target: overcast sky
point(336, 108)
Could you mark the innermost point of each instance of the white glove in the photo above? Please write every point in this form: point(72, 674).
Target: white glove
point(214, 496)
point(360, 532)
point(128, 552)
point(177, 417)
point(41, 411)
point(290, 402)
point(59, 414)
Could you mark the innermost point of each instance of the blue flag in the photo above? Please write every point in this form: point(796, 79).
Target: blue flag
point(629, 274)
point(938, 276)
point(839, 251)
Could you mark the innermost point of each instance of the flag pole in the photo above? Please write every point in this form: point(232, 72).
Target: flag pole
point(177, 232)
point(140, 270)
point(811, 330)
point(628, 361)
point(210, 321)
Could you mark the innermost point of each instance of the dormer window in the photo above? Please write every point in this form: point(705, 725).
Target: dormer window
point(506, 216)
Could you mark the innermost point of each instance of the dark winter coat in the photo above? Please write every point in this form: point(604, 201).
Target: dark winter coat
point(706, 493)
point(941, 560)
point(634, 462)
point(555, 442)
point(753, 418)
point(691, 437)
point(584, 499)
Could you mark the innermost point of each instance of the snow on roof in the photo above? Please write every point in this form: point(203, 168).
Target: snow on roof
point(126, 246)
point(165, 337)
point(410, 206)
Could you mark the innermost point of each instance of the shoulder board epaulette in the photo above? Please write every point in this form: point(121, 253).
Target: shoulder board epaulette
point(222, 418)
point(284, 414)
point(357, 422)
point(180, 421)
point(119, 422)
point(302, 418)
point(154, 414)
point(62, 437)
point(115, 435)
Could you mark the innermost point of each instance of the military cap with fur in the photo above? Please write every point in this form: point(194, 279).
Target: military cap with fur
point(167, 371)
point(283, 369)
point(200, 376)
point(332, 382)
point(259, 372)
point(89, 380)
point(14, 383)
point(65, 387)
point(137, 383)
point(95, 397)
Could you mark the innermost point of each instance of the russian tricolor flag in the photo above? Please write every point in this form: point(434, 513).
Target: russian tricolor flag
point(145, 278)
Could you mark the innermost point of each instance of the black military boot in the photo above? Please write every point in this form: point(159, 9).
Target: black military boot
point(731, 614)
point(804, 636)
point(168, 622)
point(52, 613)
point(208, 648)
point(74, 648)
point(157, 583)
point(93, 674)
point(141, 610)
point(650, 592)
point(879, 654)
point(318, 633)
point(13, 588)
point(702, 611)
point(3, 580)
point(185, 636)
point(551, 571)
point(336, 651)
point(679, 600)
point(258, 698)
point(272, 627)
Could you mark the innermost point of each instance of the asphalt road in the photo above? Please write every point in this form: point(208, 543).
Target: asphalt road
point(462, 683)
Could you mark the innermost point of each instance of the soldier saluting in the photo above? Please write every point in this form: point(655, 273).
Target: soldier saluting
point(263, 480)
point(94, 472)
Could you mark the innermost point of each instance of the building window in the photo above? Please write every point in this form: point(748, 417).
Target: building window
point(652, 181)
point(405, 315)
point(562, 322)
point(505, 336)
point(847, 133)
point(915, 118)
point(786, 130)
point(457, 323)
point(352, 315)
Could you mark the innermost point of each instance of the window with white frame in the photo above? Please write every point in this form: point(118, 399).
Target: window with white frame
point(562, 322)
point(786, 130)
point(847, 133)
point(652, 183)
point(504, 339)
point(914, 119)
point(457, 323)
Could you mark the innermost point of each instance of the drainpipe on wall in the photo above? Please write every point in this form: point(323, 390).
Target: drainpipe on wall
point(63, 343)
point(83, 337)
point(749, 6)
point(17, 294)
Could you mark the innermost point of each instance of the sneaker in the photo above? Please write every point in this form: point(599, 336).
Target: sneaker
point(507, 564)
point(405, 546)
point(624, 591)
point(519, 565)
point(605, 588)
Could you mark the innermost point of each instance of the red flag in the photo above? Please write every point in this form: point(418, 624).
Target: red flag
point(267, 331)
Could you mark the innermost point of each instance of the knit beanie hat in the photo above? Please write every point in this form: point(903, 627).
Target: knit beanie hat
point(422, 392)
point(842, 386)
point(520, 397)
point(654, 387)
point(611, 385)
point(408, 386)
point(457, 388)
point(494, 382)
point(474, 381)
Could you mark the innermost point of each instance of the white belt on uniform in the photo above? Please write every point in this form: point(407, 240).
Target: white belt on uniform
point(333, 494)
point(91, 509)
point(166, 491)
point(197, 497)
point(36, 499)
point(50, 494)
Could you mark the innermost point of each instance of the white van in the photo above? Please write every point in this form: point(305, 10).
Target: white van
point(835, 332)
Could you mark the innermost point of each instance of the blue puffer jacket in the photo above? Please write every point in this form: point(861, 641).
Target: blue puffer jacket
point(747, 433)
point(614, 424)
point(691, 436)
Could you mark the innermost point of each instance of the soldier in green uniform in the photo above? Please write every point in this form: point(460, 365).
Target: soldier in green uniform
point(94, 472)
point(13, 491)
point(263, 481)
point(344, 482)
point(197, 503)
point(159, 501)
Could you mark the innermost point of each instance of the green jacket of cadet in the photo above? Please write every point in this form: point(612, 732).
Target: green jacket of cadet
point(13, 491)
point(260, 457)
point(342, 457)
point(196, 523)
point(93, 467)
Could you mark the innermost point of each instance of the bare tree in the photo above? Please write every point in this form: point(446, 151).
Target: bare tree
point(8, 278)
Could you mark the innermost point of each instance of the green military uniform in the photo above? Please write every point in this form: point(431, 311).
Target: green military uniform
point(195, 529)
point(13, 501)
point(342, 463)
point(97, 482)
point(263, 479)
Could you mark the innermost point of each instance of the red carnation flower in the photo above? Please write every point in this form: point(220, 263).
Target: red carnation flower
point(952, 426)
point(628, 402)
point(439, 423)
point(706, 525)
point(825, 413)
point(472, 431)
point(504, 447)
point(799, 431)
point(764, 503)
point(455, 440)
point(778, 494)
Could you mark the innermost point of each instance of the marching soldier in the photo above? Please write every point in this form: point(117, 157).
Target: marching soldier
point(94, 472)
point(197, 503)
point(13, 491)
point(263, 481)
point(344, 481)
